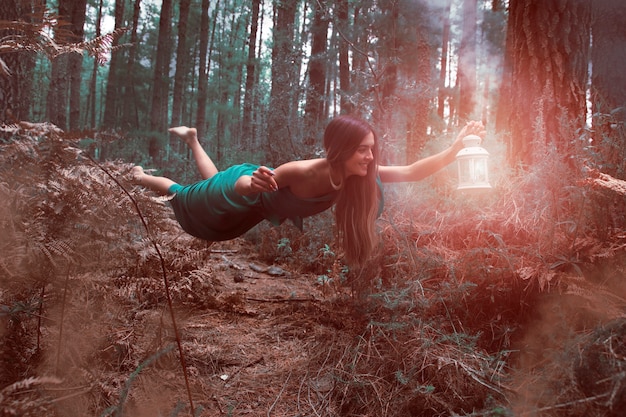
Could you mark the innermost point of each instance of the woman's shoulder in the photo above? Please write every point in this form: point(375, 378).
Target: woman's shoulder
point(302, 169)
point(306, 178)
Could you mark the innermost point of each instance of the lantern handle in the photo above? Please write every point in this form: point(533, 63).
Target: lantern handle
point(472, 141)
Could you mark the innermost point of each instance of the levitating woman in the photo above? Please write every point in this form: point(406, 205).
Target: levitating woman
point(226, 204)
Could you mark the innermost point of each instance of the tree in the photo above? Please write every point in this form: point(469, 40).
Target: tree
point(542, 99)
point(283, 84)
point(57, 99)
point(315, 100)
point(130, 115)
point(608, 56)
point(424, 91)
point(443, 67)
point(90, 113)
point(77, 22)
point(466, 72)
point(343, 24)
point(387, 29)
point(181, 63)
point(16, 79)
point(202, 69)
point(249, 108)
point(229, 57)
point(160, 85)
point(112, 94)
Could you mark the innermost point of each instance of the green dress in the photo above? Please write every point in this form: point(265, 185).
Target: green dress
point(212, 210)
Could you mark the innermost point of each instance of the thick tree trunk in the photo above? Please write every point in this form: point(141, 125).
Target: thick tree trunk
point(608, 55)
point(545, 78)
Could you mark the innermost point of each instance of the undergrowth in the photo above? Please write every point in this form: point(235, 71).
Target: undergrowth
point(506, 303)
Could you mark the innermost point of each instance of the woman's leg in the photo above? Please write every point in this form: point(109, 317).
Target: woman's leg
point(205, 165)
point(160, 185)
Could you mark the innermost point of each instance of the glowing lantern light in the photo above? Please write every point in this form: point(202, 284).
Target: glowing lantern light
point(472, 163)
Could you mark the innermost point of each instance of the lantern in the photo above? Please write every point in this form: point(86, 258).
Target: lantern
point(472, 162)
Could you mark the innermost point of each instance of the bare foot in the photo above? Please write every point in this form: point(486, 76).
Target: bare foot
point(187, 134)
point(136, 174)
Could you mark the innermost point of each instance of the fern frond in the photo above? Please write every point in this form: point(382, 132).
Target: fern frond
point(36, 37)
point(4, 69)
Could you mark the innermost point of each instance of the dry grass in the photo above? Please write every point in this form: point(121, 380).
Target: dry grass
point(510, 303)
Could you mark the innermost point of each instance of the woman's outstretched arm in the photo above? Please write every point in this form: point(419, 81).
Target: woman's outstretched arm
point(425, 167)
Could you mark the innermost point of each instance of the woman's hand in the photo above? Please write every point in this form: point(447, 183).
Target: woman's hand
point(473, 127)
point(262, 181)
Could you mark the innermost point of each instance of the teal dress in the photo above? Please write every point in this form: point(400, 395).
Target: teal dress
point(212, 210)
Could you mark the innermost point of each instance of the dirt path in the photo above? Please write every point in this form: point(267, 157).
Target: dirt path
point(256, 346)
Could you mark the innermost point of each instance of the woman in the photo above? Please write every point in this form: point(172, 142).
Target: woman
point(225, 204)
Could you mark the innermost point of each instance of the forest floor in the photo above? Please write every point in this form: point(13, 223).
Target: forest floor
point(513, 305)
point(263, 340)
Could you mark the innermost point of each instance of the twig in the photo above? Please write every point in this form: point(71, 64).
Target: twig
point(269, 412)
point(67, 278)
point(279, 300)
point(40, 315)
point(551, 407)
point(165, 281)
point(247, 365)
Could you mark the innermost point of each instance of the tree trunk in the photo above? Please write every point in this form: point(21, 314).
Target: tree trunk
point(442, 94)
point(388, 75)
point(282, 84)
point(249, 107)
point(57, 100)
point(76, 62)
point(130, 115)
point(111, 97)
point(202, 69)
point(91, 96)
point(314, 108)
point(548, 44)
point(160, 86)
point(182, 57)
point(344, 62)
point(467, 63)
point(608, 55)
point(418, 129)
point(16, 88)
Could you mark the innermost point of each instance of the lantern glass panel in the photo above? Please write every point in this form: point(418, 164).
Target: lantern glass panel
point(473, 165)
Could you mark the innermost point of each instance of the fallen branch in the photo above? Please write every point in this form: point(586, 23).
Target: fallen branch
point(606, 181)
point(280, 300)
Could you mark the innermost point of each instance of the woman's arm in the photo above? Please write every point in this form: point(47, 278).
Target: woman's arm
point(291, 174)
point(261, 181)
point(425, 167)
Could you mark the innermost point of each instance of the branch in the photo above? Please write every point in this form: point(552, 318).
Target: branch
point(601, 179)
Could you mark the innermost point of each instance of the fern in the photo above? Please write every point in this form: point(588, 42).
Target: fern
point(18, 399)
point(36, 36)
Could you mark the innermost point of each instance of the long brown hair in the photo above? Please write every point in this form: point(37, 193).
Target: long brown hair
point(357, 203)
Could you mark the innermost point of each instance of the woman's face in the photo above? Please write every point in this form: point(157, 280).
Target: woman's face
point(358, 163)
